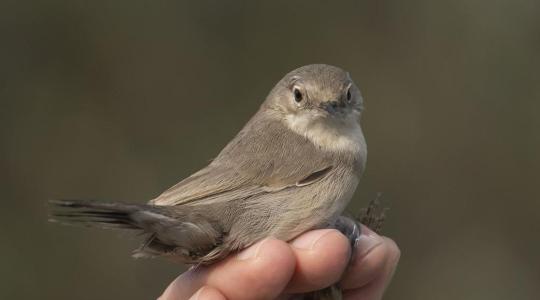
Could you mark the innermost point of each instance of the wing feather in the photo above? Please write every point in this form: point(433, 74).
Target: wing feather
point(264, 157)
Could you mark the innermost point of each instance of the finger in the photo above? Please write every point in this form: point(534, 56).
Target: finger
point(208, 293)
point(374, 290)
point(321, 257)
point(368, 262)
point(258, 272)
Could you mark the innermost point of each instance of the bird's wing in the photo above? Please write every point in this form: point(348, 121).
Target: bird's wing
point(264, 157)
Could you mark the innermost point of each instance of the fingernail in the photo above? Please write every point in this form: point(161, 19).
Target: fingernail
point(308, 240)
point(366, 242)
point(250, 252)
point(198, 294)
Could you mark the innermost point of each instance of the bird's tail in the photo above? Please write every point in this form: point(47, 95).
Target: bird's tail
point(99, 214)
point(147, 219)
point(170, 231)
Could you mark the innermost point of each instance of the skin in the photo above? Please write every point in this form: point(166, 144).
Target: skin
point(273, 269)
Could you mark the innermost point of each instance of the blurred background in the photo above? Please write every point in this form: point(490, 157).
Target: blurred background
point(118, 100)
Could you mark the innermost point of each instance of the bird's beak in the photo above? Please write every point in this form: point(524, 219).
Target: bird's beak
point(333, 106)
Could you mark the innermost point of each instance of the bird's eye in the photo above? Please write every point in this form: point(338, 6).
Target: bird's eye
point(349, 96)
point(298, 97)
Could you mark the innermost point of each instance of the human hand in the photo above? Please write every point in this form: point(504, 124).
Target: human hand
point(273, 269)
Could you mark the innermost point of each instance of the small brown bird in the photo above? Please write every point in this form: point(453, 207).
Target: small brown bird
point(292, 168)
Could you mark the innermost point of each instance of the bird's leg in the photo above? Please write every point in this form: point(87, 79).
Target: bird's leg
point(372, 216)
point(350, 228)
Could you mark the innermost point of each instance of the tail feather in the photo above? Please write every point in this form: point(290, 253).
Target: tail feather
point(171, 231)
point(95, 214)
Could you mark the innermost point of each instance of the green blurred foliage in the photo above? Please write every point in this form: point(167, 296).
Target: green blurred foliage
point(119, 100)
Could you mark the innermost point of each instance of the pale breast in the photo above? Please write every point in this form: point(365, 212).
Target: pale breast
point(341, 138)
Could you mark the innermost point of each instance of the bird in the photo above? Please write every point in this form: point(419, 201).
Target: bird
point(292, 168)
